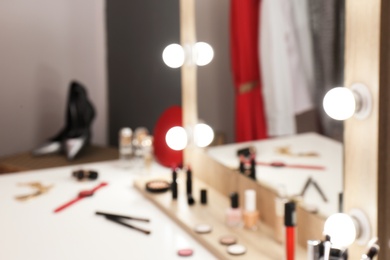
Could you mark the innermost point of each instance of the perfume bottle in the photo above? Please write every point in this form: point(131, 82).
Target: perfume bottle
point(234, 214)
point(251, 214)
point(125, 146)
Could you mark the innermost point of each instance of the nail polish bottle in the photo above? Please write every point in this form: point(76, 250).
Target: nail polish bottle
point(234, 214)
point(251, 214)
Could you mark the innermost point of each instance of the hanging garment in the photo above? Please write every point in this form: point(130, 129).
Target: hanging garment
point(249, 112)
point(286, 63)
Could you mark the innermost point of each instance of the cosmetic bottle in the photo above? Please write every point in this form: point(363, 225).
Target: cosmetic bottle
point(290, 222)
point(313, 249)
point(279, 219)
point(203, 196)
point(125, 147)
point(174, 184)
point(234, 214)
point(280, 200)
point(251, 214)
point(189, 181)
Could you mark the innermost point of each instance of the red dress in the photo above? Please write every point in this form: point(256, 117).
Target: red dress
point(250, 123)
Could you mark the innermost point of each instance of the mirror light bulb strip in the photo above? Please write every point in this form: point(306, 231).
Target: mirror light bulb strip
point(175, 55)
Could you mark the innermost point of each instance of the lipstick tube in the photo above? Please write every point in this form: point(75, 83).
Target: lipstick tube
point(289, 223)
point(189, 182)
point(174, 184)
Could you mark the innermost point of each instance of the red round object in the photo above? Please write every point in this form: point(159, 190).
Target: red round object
point(185, 252)
point(164, 155)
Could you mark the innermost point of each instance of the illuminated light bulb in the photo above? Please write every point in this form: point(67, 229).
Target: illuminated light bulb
point(203, 135)
point(342, 103)
point(339, 103)
point(341, 229)
point(344, 229)
point(173, 55)
point(176, 138)
point(203, 53)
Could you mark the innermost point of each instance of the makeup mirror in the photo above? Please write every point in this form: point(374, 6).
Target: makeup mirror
point(316, 132)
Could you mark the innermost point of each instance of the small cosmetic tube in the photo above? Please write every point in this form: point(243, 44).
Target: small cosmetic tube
point(189, 181)
point(313, 249)
point(251, 214)
point(174, 184)
point(234, 214)
point(190, 199)
point(279, 219)
point(252, 170)
point(289, 223)
point(203, 196)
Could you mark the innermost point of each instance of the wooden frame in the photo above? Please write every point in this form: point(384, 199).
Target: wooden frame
point(367, 146)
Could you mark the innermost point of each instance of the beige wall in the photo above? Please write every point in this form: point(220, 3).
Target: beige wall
point(45, 44)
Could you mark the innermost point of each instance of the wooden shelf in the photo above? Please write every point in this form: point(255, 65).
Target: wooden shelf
point(260, 244)
point(26, 161)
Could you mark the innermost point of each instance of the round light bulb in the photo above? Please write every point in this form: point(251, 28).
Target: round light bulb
point(341, 229)
point(176, 138)
point(173, 55)
point(203, 53)
point(339, 103)
point(203, 135)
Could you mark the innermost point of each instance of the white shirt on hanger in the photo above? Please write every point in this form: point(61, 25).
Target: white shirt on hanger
point(286, 63)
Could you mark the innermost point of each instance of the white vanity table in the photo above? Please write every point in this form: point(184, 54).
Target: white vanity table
point(30, 229)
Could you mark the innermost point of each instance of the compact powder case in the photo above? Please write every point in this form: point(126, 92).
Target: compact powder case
point(228, 240)
point(236, 249)
point(203, 229)
point(157, 186)
point(185, 252)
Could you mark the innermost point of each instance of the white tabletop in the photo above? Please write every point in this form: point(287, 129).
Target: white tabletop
point(292, 180)
point(30, 229)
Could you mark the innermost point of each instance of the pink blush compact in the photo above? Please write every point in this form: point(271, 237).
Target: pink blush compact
point(185, 252)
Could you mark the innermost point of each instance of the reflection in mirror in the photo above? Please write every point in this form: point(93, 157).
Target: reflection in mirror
point(315, 29)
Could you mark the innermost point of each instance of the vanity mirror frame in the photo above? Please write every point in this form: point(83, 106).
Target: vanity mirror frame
point(203, 165)
point(366, 142)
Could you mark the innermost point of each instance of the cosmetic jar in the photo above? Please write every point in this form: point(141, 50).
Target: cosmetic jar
point(236, 249)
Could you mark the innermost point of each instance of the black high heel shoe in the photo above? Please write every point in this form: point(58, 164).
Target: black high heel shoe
point(77, 131)
point(82, 115)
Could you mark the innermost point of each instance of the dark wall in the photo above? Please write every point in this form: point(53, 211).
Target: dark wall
point(140, 85)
